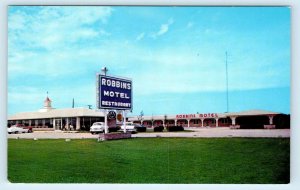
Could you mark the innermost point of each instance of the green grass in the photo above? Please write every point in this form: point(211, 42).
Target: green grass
point(150, 160)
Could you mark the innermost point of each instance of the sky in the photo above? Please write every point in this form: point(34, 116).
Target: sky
point(175, 56)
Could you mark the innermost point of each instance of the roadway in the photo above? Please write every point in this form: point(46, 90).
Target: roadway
point(190, 133)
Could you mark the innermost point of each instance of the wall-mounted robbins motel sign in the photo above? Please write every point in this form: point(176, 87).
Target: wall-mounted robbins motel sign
point(114, 93)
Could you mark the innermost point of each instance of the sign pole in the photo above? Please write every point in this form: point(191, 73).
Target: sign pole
point(124, 120)
point(105, 122)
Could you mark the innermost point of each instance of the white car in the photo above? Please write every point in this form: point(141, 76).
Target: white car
point(129, 127)
point(97, 127)
point(15, 129)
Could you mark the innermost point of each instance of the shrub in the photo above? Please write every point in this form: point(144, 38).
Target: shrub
point(175, 128)
point(158, 128)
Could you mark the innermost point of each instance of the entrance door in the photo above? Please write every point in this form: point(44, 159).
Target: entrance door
point(58, 124)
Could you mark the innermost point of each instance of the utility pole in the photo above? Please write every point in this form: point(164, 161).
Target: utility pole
point(227, 103)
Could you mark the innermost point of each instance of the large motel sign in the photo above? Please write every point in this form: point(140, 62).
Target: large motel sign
point(114, 93)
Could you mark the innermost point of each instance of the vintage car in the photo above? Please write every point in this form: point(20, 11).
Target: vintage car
point(19, 128)
point(97, 127)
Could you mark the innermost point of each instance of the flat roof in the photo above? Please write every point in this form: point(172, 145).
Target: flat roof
point(219, 115)
point(57, 113)
point(84, 112)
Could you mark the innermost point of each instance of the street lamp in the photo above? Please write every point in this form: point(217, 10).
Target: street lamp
point(140, 117)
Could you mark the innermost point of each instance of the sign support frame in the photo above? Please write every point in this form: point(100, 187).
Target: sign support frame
point(105, 122)
point(105, 109)
point(124, 120)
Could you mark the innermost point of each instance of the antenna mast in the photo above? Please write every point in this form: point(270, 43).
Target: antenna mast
point(227, 83)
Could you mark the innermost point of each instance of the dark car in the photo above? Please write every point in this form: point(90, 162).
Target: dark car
point(140, 128)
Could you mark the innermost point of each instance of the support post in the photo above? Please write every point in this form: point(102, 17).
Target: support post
point(67, 122)
point(188, 122)
point(271, 120)
point(105, 122)
point(61, 123)
point(78, 123)
point(54, 125)
point(202, 122)
point(271, 125)
point(232, 120)
point(233, 123)
point(217, 125)
point(124, 120)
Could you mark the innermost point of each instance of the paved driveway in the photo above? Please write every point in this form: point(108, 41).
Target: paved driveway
point(196, 133)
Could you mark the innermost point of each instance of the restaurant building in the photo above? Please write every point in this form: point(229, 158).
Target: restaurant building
point(57, 119)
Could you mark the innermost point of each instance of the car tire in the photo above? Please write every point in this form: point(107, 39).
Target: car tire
point(16, 132)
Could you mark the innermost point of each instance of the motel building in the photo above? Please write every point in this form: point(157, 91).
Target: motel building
point(49, 118)
point(251, 119)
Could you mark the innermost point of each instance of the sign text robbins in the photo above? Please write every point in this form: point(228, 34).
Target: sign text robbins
point(114, 93)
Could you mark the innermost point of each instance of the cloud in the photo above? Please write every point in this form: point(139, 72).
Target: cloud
point(164, 28)
point(140, 36)
point(55, 27)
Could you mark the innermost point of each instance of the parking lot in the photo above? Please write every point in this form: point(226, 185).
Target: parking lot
point(190, 132)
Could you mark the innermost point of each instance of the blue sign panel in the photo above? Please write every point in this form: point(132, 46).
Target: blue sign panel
point(114, 93)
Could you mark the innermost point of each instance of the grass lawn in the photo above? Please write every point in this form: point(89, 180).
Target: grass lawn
point(150, 160)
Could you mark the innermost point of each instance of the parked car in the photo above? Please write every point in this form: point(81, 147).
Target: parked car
point(140, 128)
point(130, 127)
point(97, 127)
point(17, 129)
point(29, 129)
point(158, 128)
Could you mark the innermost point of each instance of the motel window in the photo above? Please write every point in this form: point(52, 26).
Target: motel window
point(47, 122)
point(40, 122)
point(26, 122)
point(196, 121)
